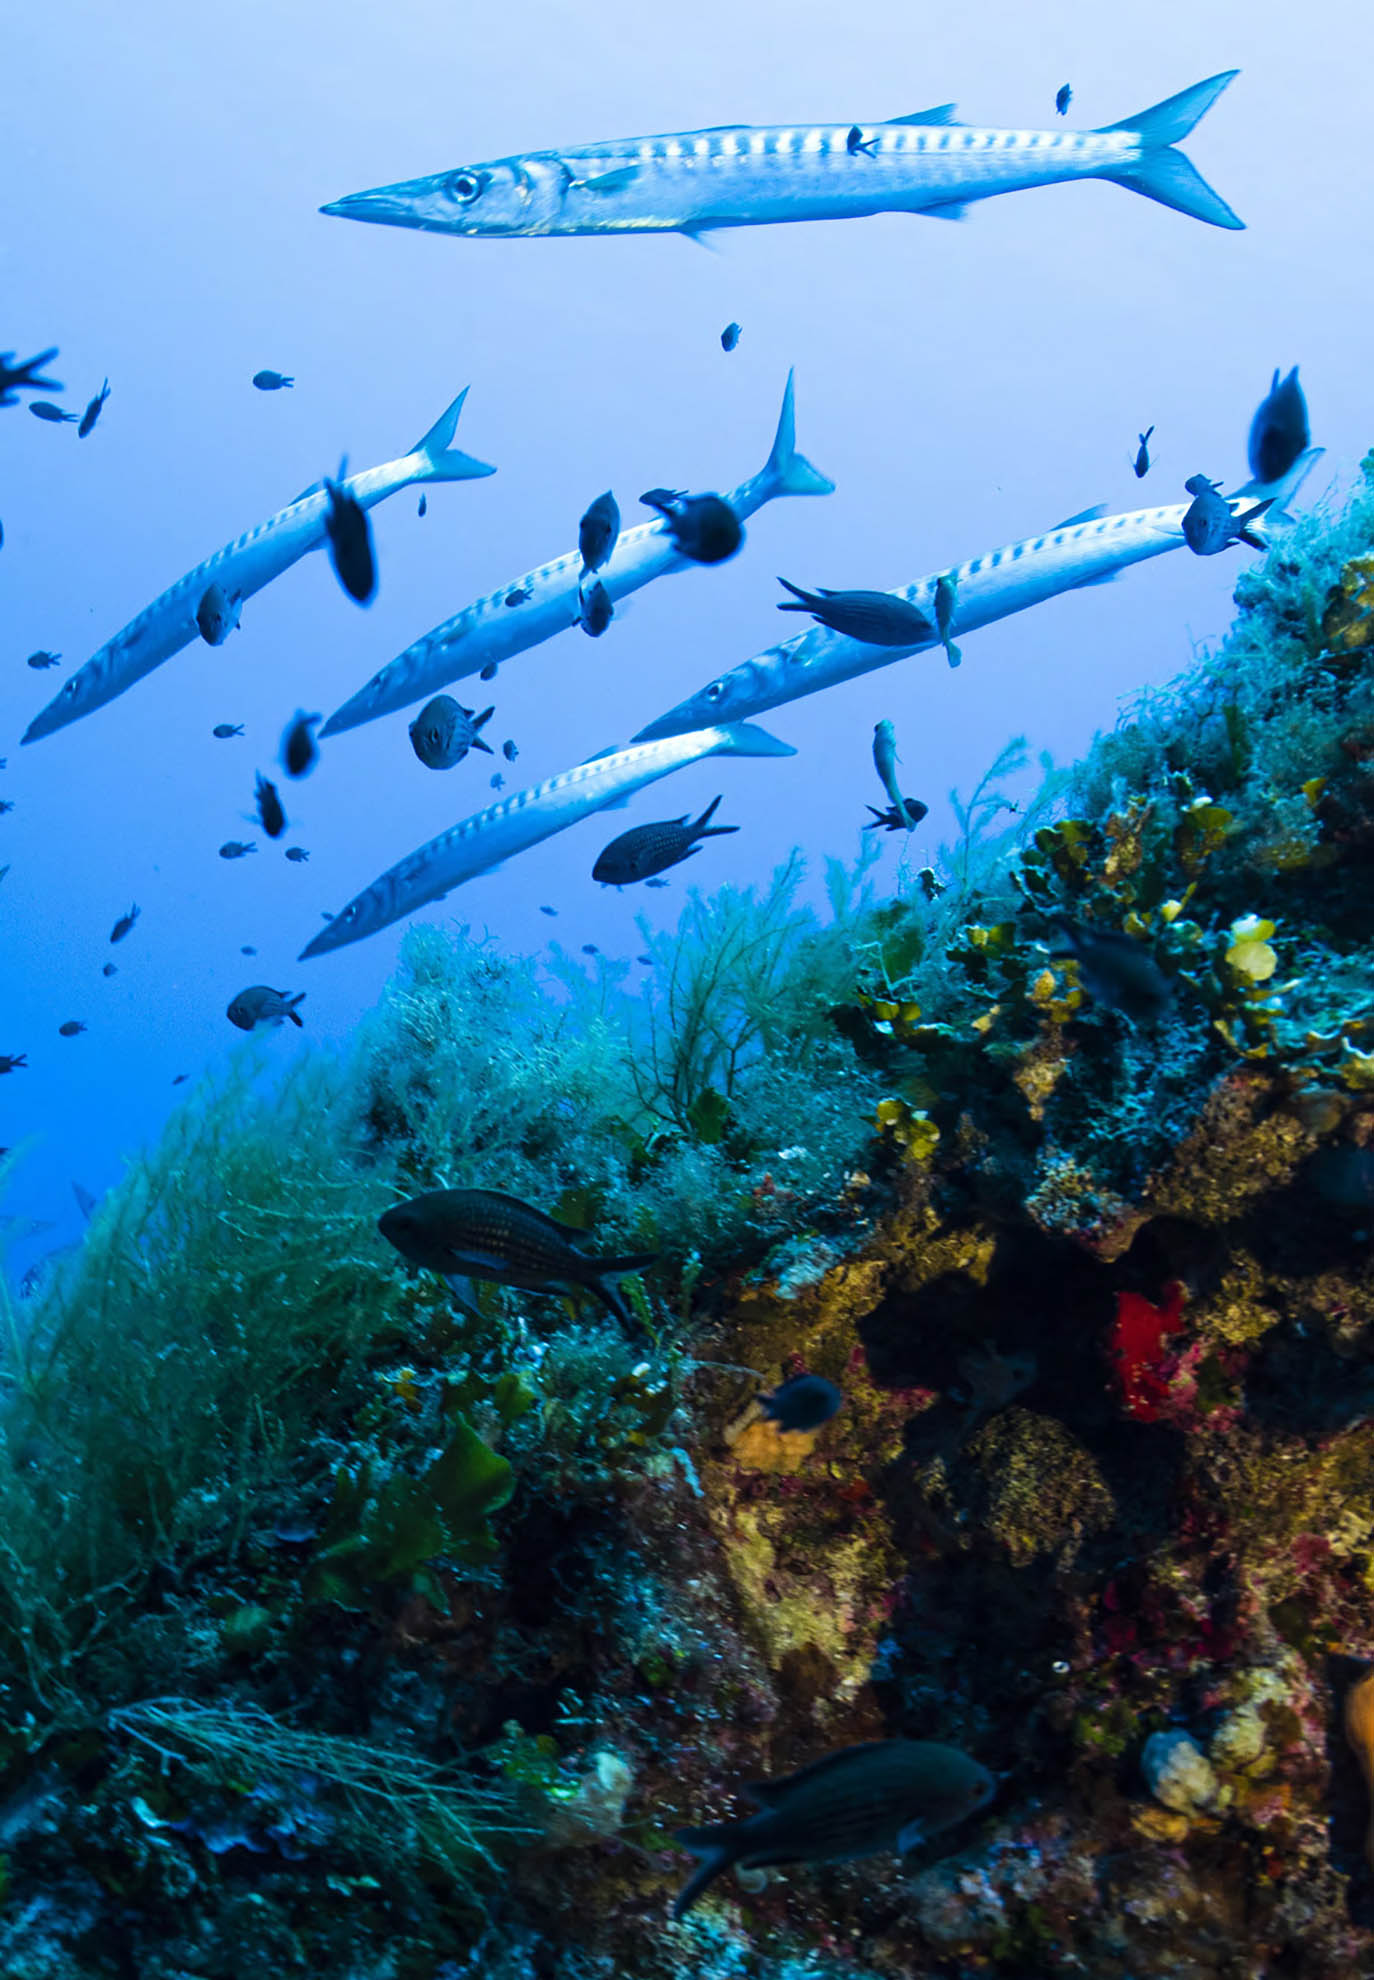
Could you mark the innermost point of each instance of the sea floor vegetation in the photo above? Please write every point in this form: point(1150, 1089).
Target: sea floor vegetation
point(349, 1630)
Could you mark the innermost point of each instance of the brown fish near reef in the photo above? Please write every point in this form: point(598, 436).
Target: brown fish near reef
point(1359, 1730)
point(887, 1794)
point(485, 1234)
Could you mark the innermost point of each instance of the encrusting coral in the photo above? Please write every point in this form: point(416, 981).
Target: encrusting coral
point(347, 1630)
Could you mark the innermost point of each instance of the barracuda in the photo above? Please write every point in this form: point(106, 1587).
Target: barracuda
point(487, 838)
point(240, 569)
point(548, 599)
point(1083, 550)
point(740, 176)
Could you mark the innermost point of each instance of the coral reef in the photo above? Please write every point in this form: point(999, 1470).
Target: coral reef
point(347, 1630)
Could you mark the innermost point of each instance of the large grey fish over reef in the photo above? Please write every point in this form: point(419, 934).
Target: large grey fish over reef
point(737, 175)
point(524, 819)
point(888, 1794)
point(1086, 549)
point(550, 600)
point(485, 1234)
point(240, 569)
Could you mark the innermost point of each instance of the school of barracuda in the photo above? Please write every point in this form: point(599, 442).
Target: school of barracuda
point(890, 1794)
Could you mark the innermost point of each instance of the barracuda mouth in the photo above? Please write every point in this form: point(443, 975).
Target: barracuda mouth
point(409, 203)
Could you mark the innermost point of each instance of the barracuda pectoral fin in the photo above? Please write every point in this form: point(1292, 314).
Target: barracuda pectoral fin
point(609, 182)
point(1103, 577)
point(951, 209)
point(697, 230)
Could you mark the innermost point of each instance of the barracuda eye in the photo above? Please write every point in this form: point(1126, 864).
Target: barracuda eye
point(715, 691)
point(465, 186)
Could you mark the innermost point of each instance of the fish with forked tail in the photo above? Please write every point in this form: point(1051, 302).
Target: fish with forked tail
point(649, 849)
point(887, 1794)
point(485, 1234)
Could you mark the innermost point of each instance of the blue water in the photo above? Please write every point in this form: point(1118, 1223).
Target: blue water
point(963, 385)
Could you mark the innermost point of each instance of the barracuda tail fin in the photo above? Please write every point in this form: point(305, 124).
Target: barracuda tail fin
point(786, 472)
point(1163, 174)
point(748, 739)
point(436, 460)
point(1278, 495)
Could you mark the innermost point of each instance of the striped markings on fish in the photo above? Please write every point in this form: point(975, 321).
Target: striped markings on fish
point(738, 175)
point(242, 568)
point(486, 1234)
point(1087, 549)
point(525, 818)
point(549, 599)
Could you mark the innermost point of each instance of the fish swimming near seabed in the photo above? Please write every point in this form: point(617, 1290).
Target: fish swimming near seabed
point(242, 568)
point(1114, 968)
point(524, 819)
point(486, 632)
point(885, 761)
point(648, 849)
point(1211, 524)
point(889, 1794)
point(485, 1234)
point(738, 175)
point(260, 1004)
point(1087, 549)
point(1279, 432)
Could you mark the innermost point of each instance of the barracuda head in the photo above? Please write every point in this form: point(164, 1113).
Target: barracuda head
point(508, 196)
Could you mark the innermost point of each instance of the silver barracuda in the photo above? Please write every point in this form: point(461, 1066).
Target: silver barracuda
point(736, 175)
point(1083, 550)
point(524, 819)
point(240, 569)
point(548, 600)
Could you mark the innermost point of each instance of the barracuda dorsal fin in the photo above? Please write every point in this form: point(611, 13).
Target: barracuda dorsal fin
point(1094, 514)
point(943, 113)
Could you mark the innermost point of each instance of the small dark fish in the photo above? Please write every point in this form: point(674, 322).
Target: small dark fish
point(729, 336)
point(597, 610)
point(509, 751)
point(248, 950)
point(41, 659)
point(269, 807)
point(1063, 97)
point(548, 910)
point(496, 781)
point(893, 820)
point(443, 732)
point(350, 544)
point(217, 614)
point(1209, 524)
point(597, 532)
point(890, 1794)
point(226, 729)
point(803, 1402)
point(1343, 1176)
point(6, 804)
point(485, 1234)
point(1142, 455)
point(1279, 431)
point(703, 527)
point(590, 949)
point(1114, 968)
point(885, 763)
point(44, 409)
point(855, 142)
point(649, 849)
point(110, 969)
point(946, 599)
point(271, 381)
point(24, 377)
point(71, 1028)
point(299, 754)
point(488, 673)
point(878, 618)
point(519, 595)
point(260, 1005)
point(124, 924)
point(422, 506)
point(93, 411)
point(645, 962)
point(12, 1061)
point(235, 849)
point(180, 1079)
point(657, 883)
point(297, 855)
